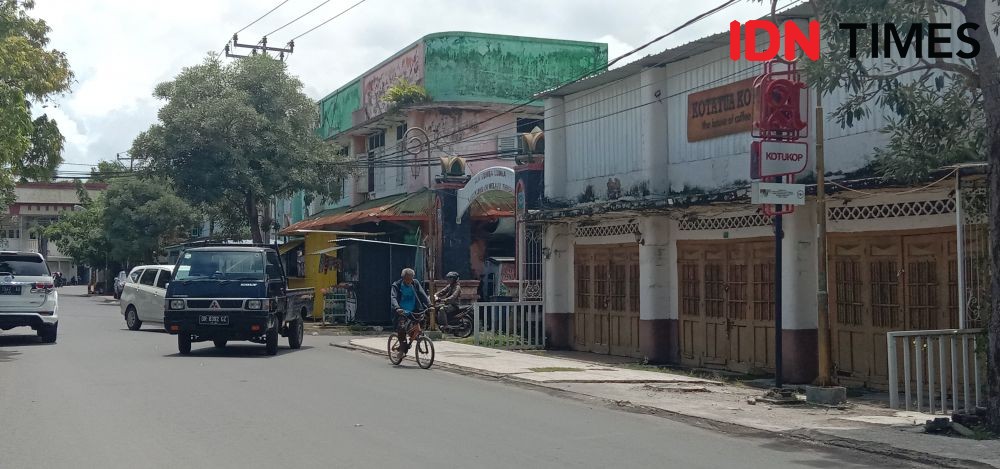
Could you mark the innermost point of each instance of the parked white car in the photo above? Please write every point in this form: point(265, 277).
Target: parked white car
point(28, 296)
point(142, 296)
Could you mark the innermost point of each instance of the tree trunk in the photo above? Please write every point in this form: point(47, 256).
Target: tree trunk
point(989, 81)
point(253, 217)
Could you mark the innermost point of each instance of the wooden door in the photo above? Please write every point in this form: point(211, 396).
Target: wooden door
point(882, 283)
point(727, 304)
point(623, 301)
point(606, 318)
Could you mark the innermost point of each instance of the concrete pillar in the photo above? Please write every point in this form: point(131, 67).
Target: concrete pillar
point(557, 282)
point(658, 332)
point(798, 296)
point(455, 238)
point(654, 135)
point(358, 144)
point(555, 148)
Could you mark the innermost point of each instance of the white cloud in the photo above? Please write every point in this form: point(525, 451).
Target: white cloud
point(120, 49)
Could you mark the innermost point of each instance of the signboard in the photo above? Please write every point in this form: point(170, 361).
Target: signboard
point(497, 178)
point(776, 193)
point(720, 111)
point(780, 158)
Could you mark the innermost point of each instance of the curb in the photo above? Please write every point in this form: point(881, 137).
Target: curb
point(805, 435)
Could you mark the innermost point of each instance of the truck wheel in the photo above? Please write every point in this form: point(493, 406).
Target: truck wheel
point(48, 333)
point(271, 341)
point(184, 344)
point(132, 319)
point(295, 333)
point(220, 343)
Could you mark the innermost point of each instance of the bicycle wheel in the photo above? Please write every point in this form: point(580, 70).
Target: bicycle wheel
point(395, 356)
point(424, 352)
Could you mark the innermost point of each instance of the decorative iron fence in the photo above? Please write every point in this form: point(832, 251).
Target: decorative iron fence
point(519, 325)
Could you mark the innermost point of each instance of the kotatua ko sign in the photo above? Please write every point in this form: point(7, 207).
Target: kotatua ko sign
point(720, 111)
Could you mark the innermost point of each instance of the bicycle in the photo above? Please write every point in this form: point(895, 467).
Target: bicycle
point(423, 347)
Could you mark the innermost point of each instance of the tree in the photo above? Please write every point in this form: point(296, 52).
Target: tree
point(946, 110)
point(105, 171)
point(30, 74)
point(130, 222)
point(142, 216)
point(242, 132)
point(80, 234)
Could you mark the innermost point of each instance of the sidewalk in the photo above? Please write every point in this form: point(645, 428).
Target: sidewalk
point(858, 425)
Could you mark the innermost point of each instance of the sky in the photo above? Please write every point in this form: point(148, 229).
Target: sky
point(120, 49)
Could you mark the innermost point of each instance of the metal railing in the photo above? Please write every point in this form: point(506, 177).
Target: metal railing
point(509, 325)
point(940, 358)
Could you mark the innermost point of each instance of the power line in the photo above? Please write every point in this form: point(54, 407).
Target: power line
point(589, 73)
point(329, 20)
point(261, 17)
point(500, 129)
point(296, 19)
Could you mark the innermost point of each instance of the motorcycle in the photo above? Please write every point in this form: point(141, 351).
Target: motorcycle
point(460, 325)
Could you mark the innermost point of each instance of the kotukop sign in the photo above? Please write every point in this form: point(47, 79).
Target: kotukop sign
point(771, 158)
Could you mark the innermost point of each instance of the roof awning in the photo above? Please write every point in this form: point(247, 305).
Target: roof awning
point(492, 204)
point(400, 207)
point(326, 250)
point(284, 248)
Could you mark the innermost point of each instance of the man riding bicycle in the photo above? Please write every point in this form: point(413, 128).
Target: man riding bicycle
point(449, 295)
point(408, 297)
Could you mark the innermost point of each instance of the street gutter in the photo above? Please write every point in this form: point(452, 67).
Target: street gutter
point(807, 436)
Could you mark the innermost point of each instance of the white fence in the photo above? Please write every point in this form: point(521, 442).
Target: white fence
point(941, 359)
point(509, 325)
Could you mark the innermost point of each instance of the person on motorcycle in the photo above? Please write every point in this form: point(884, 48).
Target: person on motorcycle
point(449, 295)
point(407, 297)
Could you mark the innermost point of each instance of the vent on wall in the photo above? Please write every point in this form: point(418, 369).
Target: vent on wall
point(509, 145)
point(606, 230)
point(902, 209)
point(724, 223)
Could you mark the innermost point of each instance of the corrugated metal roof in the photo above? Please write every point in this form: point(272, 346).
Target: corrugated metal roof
point(394, 207)
point(693, 48)
point(492, 204)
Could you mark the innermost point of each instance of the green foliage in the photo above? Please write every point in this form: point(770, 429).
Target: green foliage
point(80, 234)
point(30, 73)
point(141, 216)
point(105, 171)
point(238, 134)
point(403, 93)
point(130, 222)
point(935, 107)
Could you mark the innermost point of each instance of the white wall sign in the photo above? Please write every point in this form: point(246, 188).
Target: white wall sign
point(777, 193)
point(496, 178)
point(783, 158)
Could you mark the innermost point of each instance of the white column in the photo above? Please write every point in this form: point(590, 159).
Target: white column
point(798, 293)
point(555, 148)
point(657, 261)
point(654, 135)
point(557, 271)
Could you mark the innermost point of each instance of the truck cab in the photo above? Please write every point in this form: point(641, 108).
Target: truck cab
point(229, 293)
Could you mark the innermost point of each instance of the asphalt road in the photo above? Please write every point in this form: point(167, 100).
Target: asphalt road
point(106, 397)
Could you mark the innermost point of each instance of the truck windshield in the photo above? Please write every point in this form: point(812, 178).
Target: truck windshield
point(220, 265)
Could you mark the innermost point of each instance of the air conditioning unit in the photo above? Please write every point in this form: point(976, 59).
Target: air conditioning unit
point(509, 145)
point(371, 196)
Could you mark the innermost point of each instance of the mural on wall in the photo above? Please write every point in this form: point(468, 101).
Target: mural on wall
point(506, 69)
point(335, 110)
point(409, 65)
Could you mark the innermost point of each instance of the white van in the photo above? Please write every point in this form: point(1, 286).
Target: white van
point(142, 296)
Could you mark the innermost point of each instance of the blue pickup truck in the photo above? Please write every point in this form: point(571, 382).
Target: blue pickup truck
point(234, 293)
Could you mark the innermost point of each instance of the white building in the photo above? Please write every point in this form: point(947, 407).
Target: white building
point(653, 250)
point(36, 205)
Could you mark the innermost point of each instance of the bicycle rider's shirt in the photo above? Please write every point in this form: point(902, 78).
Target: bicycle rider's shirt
point(409, 298)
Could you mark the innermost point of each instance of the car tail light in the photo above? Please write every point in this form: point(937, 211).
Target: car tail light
point(175, 328)
point(42, 287)
point(255, 328)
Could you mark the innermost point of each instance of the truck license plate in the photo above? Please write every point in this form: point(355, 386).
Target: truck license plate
point(213, 319)
point(10, 289)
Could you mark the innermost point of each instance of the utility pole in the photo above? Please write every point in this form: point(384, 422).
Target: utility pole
point(822, 293)
point(260, 46)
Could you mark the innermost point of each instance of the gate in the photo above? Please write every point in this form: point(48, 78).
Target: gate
point(727, 304)
point(606, 318)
